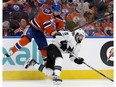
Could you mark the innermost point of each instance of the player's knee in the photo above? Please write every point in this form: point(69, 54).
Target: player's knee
point(26, 38)
point(50, 47)
point(24, 41)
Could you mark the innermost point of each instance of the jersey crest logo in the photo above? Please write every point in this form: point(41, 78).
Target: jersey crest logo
point(52, 21)
point(16, 7)
point(47, 11)
point(70, 49)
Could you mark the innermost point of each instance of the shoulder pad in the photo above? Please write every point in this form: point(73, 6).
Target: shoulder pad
point(47, 11)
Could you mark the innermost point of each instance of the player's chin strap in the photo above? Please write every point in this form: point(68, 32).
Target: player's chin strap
point(92, 67)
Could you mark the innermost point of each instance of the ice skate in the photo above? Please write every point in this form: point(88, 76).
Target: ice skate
point(8, 54)
point(29, 62)
point(56, 80)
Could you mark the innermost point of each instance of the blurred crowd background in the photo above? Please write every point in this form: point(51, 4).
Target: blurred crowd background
point(98, 13)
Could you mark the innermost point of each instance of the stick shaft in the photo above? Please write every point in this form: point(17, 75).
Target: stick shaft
point(98, 72)
point(92, 67)
point(94, 21)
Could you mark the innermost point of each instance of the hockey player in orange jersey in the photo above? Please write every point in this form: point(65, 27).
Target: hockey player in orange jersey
point(49, 20)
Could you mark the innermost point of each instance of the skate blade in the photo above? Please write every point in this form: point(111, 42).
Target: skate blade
point(57, 82)
point(26, 63)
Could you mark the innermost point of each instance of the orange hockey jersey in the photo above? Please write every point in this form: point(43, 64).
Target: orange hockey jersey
point(45, 21)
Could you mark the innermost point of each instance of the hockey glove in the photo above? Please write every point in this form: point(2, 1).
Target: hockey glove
point(63, 45)
point(79, 60)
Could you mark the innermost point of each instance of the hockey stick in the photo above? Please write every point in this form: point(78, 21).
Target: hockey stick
point(92, 67)
point(94, 21)
point(98, 72)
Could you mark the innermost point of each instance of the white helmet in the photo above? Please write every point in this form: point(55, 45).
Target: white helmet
point(77, 33)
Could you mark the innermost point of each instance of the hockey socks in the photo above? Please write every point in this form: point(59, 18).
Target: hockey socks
point(42, 68)
point(31, 62)
point(57, 71)
point(47, 71)
point(58, 66)
point(22, 42)
point(44, 55)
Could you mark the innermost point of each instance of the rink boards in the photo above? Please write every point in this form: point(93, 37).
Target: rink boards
point(95, 51)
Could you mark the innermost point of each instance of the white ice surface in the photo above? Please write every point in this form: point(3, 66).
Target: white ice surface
point(65, 83)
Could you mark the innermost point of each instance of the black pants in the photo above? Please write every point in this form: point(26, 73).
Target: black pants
point(52, 53)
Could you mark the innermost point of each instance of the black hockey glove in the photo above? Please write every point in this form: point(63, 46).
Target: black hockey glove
point(79, 60)
point(63, 45)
